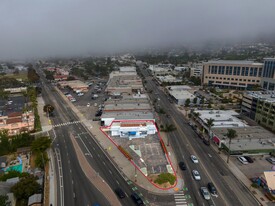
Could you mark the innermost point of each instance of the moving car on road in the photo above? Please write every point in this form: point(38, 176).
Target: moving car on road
point(205, 193)
point(212, 189)
point(137, 199)
point(120, 193)
point(196, 175)
point(194, 159)
point(182, 165)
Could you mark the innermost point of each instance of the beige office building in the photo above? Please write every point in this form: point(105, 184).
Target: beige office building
point(232, 74)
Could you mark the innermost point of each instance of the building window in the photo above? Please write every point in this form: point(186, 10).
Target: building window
point(243, 71)
point(251, 71)
point(220, 77)
point(258, 80)
point(265, 85)
point(235, 71)
point(253, 80)
point(240, 80)
point(230, 70)
point(217, 77)
point(227, 70)
point(255, 71)
point(260, 72)
point(249, 80)
point(246, 71)
point(228, 78)
point(232, 78)
point(224, 78)
point(271, 86)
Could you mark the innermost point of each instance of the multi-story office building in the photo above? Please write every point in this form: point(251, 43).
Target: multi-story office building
point(268, 76)
point(260, 106)
point(232, 74)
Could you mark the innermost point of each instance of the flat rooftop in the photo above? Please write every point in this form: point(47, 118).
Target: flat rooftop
point(268, 96)
point(128, 115)
point(249, 138)
point(127, 106)
point(127, 69)
point(222, 118)
point(125, 81)
point(237, 62)
point(181, 94)
point(178, 87)
point(73, 83)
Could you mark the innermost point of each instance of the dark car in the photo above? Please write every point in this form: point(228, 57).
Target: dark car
point(137, 199)
point(206, 142)
point(98, 113)
point(212, 189)
point(249, 159)
point(182, 166)
point(120, 193)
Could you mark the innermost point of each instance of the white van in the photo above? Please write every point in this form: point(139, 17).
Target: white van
point(242, 160)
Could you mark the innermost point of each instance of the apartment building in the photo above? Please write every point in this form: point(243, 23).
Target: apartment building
point(268, 77)
point(232, 74)
point(17, 122)
point(196, 72)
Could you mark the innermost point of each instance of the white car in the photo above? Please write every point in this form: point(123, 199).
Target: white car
point(88, 105)
point(196, 175)
point(205, 193)
point(242, 160)
point(194, 159)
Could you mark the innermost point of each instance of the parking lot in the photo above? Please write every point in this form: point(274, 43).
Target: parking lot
point(12, 104)
point(85, 104)
point(146, 152)
point(254, 169)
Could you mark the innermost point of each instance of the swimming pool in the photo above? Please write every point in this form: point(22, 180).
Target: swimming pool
point(18, 168)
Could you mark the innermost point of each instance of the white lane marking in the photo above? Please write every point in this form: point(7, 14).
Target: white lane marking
point(117, 182)
point(110, 172)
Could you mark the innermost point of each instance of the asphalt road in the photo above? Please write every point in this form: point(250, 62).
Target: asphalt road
point(211, 167)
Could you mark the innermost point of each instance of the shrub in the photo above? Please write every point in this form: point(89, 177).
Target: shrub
point(164, 178)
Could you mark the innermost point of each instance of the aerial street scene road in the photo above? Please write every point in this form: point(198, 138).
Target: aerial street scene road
point(124, 103)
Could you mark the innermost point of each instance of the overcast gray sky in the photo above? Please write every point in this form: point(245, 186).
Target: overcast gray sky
point(37, 28)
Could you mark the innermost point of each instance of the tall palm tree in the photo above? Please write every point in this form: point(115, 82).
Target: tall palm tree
point(231, 133)
point(196, 115)
point(209, 124)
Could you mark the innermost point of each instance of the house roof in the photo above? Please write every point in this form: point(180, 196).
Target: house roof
point(14, 120)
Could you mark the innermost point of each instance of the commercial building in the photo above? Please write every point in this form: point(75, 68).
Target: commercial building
point(161, 70)
point(260, 106)
point(232, 74)
point(74, 85)
point(124, 84)
point(196, 71)
point(249, 140)
point(268, 77)
point(168, 79)
point(180, 93)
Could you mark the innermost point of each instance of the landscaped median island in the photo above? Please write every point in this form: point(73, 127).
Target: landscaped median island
point(139, 141)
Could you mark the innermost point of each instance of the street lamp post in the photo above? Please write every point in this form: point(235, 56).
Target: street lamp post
point(227, 161)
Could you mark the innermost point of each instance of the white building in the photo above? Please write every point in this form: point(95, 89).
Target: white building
point(196, 72)
point(157, 70)
point(168, 78)
point(131, 130)
point(180, 93)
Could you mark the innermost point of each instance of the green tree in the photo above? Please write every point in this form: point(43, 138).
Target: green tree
point(26, 187)
point(231, 134)
point(187, 102)
point(41, 144)
point(202, 101)
point(195, 100)
point(209, 124)
point(5, 146)
point(4, 200)
point(48, 108)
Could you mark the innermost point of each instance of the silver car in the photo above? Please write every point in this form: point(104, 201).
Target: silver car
point(205, 193)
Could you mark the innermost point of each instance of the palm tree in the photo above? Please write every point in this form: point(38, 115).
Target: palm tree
point(231, 133)
point(209, 124)
point(196, 115)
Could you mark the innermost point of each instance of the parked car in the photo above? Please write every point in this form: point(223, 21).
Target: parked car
point(120, 193)
point(249, 159)
point(242, 160)
point(205, 193)
point(88, 104)
point(271, 160)
point(182, 165)
point(196, 175)
point(137, 199)
point(212, 188)
point(206, 142)
point(194, 159)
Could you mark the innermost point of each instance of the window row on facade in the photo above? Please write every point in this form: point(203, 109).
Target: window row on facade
point(234, 79)
point(238, 71)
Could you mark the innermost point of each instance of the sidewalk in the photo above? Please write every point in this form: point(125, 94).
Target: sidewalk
point(45, 123)
point(127, 168)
